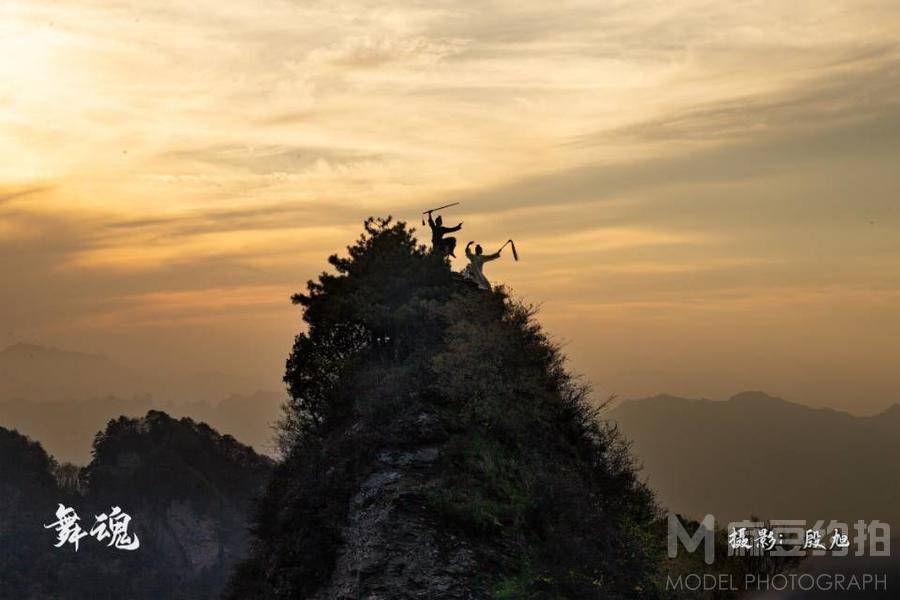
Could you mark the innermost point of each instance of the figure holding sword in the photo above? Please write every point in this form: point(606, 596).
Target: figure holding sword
point(445, 246)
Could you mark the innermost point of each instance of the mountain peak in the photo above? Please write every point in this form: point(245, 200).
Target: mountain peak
point(474, 448)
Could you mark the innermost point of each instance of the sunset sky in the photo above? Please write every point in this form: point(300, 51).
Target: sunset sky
point(705, 195)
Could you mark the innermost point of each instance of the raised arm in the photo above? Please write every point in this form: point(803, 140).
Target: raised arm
point(452, 229)
point(469, 252)
point(490, 257)
point(431, 221)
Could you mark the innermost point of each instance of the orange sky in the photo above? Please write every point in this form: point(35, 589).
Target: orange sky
point(705, 194)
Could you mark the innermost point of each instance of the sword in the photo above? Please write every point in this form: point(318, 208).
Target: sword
point(431, 210)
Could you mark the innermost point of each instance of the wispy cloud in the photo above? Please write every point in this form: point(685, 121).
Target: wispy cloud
point(647, 156)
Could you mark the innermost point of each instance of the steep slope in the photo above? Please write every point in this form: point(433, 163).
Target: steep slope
point(187, 489)
point(28, 496)
point(436, 447)
point(756, 454)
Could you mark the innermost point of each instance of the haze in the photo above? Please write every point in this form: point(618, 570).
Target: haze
point(704, 194)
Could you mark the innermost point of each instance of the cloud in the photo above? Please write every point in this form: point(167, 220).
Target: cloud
point(362, 52)
point(271, 158)
point(287, 216)
point(649, 156)
point(9, 194)
point(865, 87)
point(779, 151)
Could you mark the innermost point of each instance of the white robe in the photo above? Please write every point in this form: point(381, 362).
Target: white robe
point(475, 269)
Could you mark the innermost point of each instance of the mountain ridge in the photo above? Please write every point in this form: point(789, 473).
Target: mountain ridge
point(474, 467)
point(753, 398)
point(784, 459)
point(187, 489)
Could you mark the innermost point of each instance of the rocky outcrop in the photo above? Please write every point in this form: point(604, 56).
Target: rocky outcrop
point(435, 447)
point(393, 549)
point(188, 490)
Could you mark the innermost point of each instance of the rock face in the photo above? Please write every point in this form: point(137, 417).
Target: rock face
point(393, 547)
point(188, 490)
point(436, 448)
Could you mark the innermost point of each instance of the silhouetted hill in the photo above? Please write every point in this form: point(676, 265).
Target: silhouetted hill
point(28, 498)
point(187, 489)
point(248, 418)
point(67, 427)
point(436, 447)
point(760, 455)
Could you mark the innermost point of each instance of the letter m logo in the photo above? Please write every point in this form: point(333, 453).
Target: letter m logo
point(705, 533)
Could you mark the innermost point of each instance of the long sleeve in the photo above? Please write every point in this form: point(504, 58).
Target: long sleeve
point(452, 229)
point(490, 257)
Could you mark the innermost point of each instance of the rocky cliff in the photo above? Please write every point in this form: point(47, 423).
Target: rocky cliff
point(436, 447)
point(188, 491)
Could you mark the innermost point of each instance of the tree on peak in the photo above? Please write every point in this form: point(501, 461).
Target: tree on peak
point(383, 271)
point(434, 443)
point(376, 303)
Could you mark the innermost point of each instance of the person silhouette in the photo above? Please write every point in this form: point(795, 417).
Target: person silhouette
point(474, 271)
point(446, 246)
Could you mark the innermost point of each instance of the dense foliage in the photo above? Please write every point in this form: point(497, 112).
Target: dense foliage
point(26, 479)
point(529, 476)
point(187, 489)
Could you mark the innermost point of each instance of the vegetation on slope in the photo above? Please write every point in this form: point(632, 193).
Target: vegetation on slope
point(544, 492)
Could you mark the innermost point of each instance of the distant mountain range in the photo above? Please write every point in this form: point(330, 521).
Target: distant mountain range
point(751, 455)
point(63, 398)
point(40, 373)
point(759, 455)
point(47, 374)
